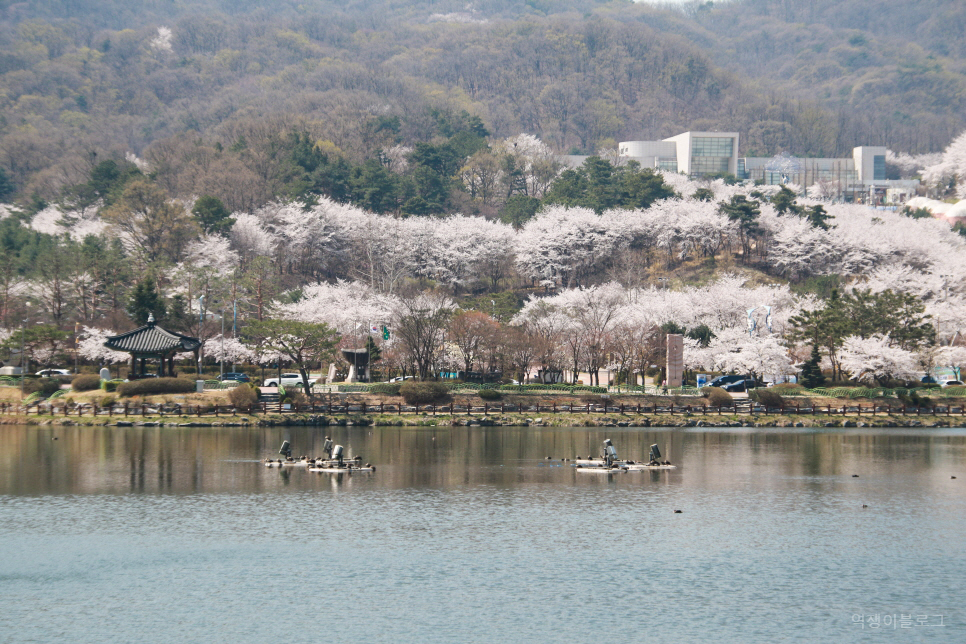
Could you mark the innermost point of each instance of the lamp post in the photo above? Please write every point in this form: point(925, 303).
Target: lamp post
point(23, 355)
point(76, 348)
point(222, 341)
point(201, 321)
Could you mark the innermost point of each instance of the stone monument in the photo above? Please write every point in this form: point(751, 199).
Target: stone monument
point(675, 360)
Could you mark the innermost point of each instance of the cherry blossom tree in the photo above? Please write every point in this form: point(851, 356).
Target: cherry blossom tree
point(949, 174)
point(736, 350)
point(250, 238)
point(468, 248)
point(562, 244)
point(875, 358)
point(227, 349)
point(344, 306)
point(90, 346)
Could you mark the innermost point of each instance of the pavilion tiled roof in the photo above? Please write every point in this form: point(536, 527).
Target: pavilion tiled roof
point(151, 338)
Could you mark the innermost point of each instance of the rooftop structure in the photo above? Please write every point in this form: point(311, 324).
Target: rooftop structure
point(151, 342)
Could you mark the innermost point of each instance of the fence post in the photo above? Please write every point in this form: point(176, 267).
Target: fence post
point(485, 409)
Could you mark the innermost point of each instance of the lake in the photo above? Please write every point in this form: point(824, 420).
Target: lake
point(472, 535)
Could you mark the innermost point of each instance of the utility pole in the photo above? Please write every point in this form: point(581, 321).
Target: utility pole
point(222, 341)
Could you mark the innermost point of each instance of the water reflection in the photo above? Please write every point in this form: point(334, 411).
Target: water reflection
point(472, 535)
point(111, 460)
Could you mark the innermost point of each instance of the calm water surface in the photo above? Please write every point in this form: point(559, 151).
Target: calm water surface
point(471, 535)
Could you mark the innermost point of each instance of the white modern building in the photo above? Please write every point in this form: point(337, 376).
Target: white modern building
point(694, 153)
point(699, 154)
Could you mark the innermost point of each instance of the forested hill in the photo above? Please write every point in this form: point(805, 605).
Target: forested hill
point(206, 90)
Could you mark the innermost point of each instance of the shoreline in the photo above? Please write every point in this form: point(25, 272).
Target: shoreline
point(503, 420)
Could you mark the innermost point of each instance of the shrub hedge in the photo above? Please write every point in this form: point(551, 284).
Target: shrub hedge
point(243, 395)
point(149, 386)
point(717, 397)
point(489, 394)
point(45, 386)
point(385, 388)
point(86, 382)
point(767, 397)
point(421, 393)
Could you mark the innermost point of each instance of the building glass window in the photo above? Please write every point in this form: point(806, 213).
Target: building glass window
point(711, 154)
point(671, 165)
point(712, 146)
point(709, 165)
point(878, 168)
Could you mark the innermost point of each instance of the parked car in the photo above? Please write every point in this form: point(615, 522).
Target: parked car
point(288, 380)
point(928, 380)
point(400, 379)
point(721, 381)
point(50, 373)
point(741, 385)
point(236, 377)
point(953, 383)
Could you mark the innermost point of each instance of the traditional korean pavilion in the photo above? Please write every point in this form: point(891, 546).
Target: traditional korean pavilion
point(151, 342)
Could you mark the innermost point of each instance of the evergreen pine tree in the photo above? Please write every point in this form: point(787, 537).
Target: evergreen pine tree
point(811, 371)
point(145, 301)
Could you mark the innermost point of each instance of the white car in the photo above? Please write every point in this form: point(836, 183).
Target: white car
point(288, 380)
point(48, 373)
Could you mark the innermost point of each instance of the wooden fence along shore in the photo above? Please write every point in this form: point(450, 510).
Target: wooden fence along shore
point(177, 409)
